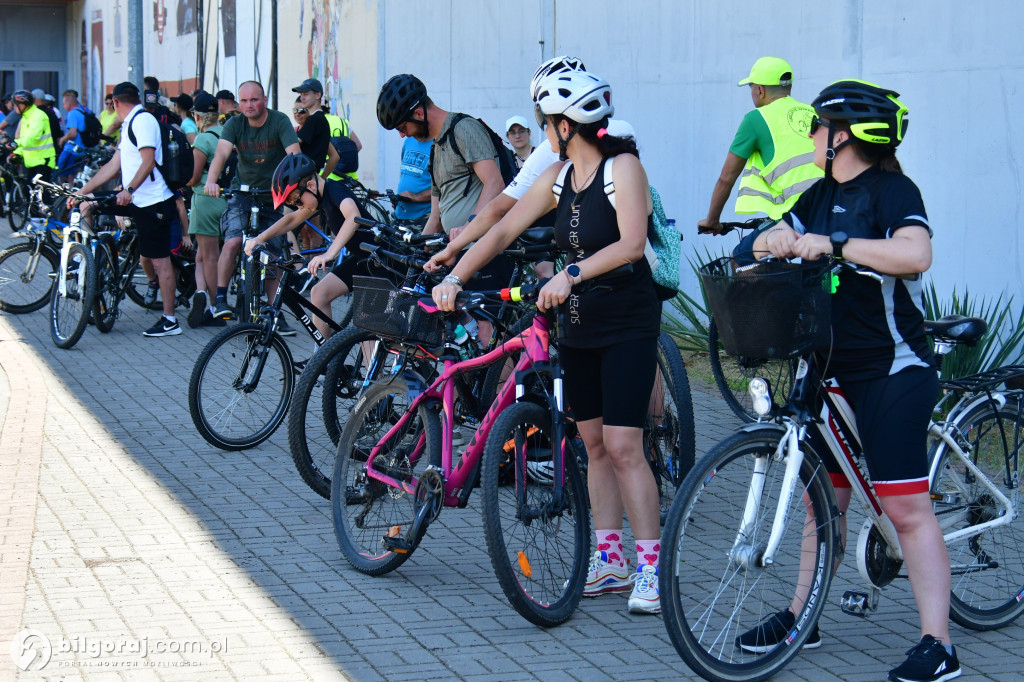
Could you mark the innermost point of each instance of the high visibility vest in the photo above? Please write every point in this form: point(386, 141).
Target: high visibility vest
point(773, 188)
point(35, 141)
point(339, 126)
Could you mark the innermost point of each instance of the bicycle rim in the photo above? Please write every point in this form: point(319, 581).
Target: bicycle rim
point(712, 590)
point(24, 285)
point(539, 552)
point(733, 374)
point(364, 509)
point(987, 568)
point(70, 313)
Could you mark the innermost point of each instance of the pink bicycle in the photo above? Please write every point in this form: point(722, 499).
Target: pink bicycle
point(396, 468)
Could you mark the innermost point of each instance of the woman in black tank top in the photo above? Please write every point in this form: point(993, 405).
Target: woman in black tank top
point(609, 351)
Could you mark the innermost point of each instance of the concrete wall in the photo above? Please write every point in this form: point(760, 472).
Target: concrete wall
point(673, 66)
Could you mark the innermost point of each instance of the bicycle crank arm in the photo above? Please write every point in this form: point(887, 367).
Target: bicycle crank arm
point(407, 544)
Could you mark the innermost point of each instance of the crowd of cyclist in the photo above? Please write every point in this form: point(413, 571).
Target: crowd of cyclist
point(825, 173)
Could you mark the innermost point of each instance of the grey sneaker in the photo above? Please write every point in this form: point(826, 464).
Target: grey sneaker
point(197, 312)
point(222, 310)
point(151, 292)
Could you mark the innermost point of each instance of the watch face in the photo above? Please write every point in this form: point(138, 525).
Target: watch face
point(574, 270)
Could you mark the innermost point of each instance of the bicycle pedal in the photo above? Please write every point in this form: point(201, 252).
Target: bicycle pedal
point(394, 543)
point(856, 603)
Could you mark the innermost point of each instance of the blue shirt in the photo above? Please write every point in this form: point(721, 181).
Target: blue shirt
point(415, 177)
point(75, 119)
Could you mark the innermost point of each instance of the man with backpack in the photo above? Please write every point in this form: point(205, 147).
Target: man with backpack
point(144, 197)
point(467, 165)
point(81, 131)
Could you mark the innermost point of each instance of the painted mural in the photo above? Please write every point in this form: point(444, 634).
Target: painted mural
point(322, 47)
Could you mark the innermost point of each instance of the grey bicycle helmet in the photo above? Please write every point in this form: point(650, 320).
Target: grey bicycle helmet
point(398, 98)
point(292, 170)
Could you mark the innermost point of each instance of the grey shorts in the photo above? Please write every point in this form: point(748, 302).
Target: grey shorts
point(235, 220)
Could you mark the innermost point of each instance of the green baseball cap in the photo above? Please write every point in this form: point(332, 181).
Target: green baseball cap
point(769, 71)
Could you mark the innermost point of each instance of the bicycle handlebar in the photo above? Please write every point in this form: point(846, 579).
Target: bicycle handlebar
point(245, 189)
point(376, 250)
point(407, 236)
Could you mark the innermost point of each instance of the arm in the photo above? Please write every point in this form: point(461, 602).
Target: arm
point(148, 155)
point(285, 224)
point(908, 251)
point(295, 148)
point(332, 161)
point(418, 197)
point(198, 164)
point(723, 187)
point(433, 225)
point(220, 157)
point(490, 175)
point(103, 175)
point(71, 134)
point(355, 138)
point(112, 128)
point(345, 232)
point(191, 137)
point(495, 210)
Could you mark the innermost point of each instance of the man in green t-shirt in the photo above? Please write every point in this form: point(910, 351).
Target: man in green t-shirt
point(263, 138)
point(772, 149)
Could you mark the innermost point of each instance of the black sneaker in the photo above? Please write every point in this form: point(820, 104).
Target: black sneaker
point(306, 283)
point(151, 291)
point(772, 630)
point(927, 662)
point(282, 327)
point(197, 313)
point(211, 321)
point(222, 310)
point(163, 328)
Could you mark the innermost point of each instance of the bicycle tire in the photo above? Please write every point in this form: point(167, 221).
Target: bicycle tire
point(365, 510)
point(732, 374)
point(541, 564)
point(70, 313)
point(669, 432)
point(17, 208)
point(252, 290)
point(346, 373)
point(104, 305)
point(312, 449)
point(985, 594)
point(706, 605)
point(226, 414)
point(22, 291)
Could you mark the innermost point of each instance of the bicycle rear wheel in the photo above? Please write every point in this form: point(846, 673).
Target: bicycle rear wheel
point(104, 307)
point(988, 567)
point(733, 375)
point(137, 285)
point(713, 584)
point(240, 387)
point(539, 551)
point(364, 509)
point(25, 280)
point(69, 312)
point(17, 207)
point(669, 433)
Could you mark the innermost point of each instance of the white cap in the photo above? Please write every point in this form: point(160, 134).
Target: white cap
point(516, 120)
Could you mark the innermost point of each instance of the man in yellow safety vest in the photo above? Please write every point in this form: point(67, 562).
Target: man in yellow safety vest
point(35, 140)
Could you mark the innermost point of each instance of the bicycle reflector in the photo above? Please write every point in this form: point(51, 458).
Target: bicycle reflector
point(760, 395)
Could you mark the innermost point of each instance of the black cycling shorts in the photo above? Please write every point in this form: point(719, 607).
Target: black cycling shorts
point(892, 414)
point(613, 382)
point(152, 223)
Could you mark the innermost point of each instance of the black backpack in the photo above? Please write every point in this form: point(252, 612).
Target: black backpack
point(506, 157)
point(349, 153)
point(90, 137)
point(179, 163)
point(230, 167)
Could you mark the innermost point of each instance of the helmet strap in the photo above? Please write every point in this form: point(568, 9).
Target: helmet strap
point(833, 149)
point(563, 145)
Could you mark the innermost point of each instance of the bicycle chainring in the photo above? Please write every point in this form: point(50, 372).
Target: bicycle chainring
point(873, 560)
point(431, 482)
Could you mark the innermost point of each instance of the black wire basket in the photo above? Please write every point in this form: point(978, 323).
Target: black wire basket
point(379, 307)
point(770, 309)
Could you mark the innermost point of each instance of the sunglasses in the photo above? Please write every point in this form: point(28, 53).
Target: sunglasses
point(300, 111)
point(542, 119)
point(819, 123)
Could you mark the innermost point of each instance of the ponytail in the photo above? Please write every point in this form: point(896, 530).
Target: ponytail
point(597, 134)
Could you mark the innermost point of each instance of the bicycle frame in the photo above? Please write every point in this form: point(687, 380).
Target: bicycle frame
point(458, 475)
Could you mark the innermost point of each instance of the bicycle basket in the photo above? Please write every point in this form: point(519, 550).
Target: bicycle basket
point(771, 309)
point(393, 313)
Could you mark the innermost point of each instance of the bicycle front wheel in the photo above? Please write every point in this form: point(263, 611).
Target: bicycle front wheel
point(17, 207)
point(366, 510)
point(988, 567)
point(733, 374)
point(104, 306)
point(539, 547)
point(240, 387)
point(25, 280)
point(714, 584)
point(69, 312)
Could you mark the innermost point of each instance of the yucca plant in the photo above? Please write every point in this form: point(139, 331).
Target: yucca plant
point(686, 320)
point(1002, 345)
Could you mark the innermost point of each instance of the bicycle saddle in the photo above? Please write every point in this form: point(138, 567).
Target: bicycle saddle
point(966, 330)
point(537, 235)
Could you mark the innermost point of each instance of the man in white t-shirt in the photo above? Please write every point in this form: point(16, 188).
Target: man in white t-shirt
point(144, 196)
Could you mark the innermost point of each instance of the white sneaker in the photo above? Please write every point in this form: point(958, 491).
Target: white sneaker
point(604, 576)
point(645, 598)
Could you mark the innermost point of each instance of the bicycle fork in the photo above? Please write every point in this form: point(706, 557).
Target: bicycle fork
point(65, 251)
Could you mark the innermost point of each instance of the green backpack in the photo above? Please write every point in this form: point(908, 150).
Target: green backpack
point(663, 249)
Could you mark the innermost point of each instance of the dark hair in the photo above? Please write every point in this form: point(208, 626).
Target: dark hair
point(879, 155)
point(609, 145)
point(70, 92)
point(151, 83)
point(128, 97)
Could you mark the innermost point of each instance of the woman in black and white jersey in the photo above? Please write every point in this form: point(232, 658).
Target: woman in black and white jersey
point(866, 211)
point(609, 350)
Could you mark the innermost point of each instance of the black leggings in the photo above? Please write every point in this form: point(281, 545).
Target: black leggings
point(612, 382)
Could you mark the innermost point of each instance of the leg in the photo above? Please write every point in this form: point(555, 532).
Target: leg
point(165, 275)
point(807, 548)
point(227, 259)
point(147, 267)
point(322, 295)
point(206, 264)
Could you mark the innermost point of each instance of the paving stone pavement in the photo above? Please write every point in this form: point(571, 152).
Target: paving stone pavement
point(125, 532)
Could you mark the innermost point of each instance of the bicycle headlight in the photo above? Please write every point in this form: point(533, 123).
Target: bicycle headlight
point(761, 396)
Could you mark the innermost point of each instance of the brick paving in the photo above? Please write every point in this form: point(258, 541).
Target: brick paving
point(121, 525)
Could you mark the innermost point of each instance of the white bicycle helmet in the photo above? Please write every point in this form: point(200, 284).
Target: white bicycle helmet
point(578, 95)
point(552, 66)
point(541, 472)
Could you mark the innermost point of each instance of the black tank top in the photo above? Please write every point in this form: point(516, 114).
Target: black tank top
point(613, 307)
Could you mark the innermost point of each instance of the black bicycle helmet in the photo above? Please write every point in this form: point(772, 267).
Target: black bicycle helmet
point(398, 98)
point(292, 170)
point(874, 114)
point(23, 97)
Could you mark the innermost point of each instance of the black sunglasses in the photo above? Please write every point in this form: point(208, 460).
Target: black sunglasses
point(819, 123)
point(542, 119)
point(300, 111)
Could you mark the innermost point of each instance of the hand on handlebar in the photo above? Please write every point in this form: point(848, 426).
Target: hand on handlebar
point(554, 292)
point(812, 246)
point(317, 263)
point(251, 245)
point(780, 241)
point(444, 295)
point(439, 260)
point(211, 188)
point(709, 226)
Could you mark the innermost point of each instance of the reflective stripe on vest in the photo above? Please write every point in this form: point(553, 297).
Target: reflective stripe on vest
point(774, 188)
point(38, 150)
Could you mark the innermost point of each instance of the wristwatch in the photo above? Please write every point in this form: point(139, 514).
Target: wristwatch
point(838, 240)
point(130, 189)
point(574, 272)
